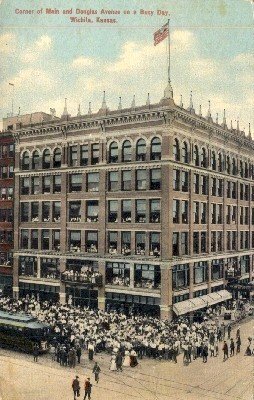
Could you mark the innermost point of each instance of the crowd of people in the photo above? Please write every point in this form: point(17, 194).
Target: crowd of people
point(126, 338)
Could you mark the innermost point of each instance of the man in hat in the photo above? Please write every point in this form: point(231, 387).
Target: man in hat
point(88, 389)
point(96, 371)
point(76, 387)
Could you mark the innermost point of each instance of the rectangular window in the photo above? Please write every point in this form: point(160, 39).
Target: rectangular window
point(219, 213)
point(176, 209)
point(185, 181)
point(24, 237)
point(200, 272)
point(34, 239)
point(203, 213)
point(112, 211)
point(45, 211)
point(203, 242)
point(57, 184)
point(126, 243)
point(75, 211)
point(126, 180)
point(219, 241)
point(74, 155)
point(234, 190)
point(117, 274)
point(176, 179)
point(56, 211)
point(92, 211)
point(93, 181)
point(75, 241)
point(203, 184)
point(46, 184)
point(196, 183)
point(95, 153)
point(185, 211)
point(196, 212)
point(184, 243)
point(45, 239)
point(113, 181)
point(175, 244)
point(196, 242)
point(92, 241)
point(140, 211)
point(11, 171)
point(84, 154)
point(24, 212)
point(75, 182)
point(35, 185)
point(213, 241)
point(155, 246)
point(181, 276)
point(112, 242)
point(56, 240)
point(147, 276)
point(155, 210)
point(126, 211)
point(155, 179)
point(220, 188)
point(140, 240)
point(35, 211)
point(141, 176)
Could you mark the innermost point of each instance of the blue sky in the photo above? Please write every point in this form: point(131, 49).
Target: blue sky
point(49, 58)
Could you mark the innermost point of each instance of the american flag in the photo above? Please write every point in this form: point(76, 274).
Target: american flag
point(161, 34)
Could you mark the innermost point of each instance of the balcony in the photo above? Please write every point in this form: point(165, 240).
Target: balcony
point(87, 278)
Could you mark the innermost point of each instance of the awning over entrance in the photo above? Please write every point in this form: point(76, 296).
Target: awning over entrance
point(184, 307)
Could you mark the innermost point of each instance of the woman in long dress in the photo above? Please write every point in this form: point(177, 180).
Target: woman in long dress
point(133, 359)
point(113, 363)
point(126, 361)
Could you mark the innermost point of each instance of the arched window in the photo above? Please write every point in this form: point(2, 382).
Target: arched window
point(155, 149)
point(241, 168)
point(196, 156)
point(185, 155)
point(234, 167)
point(25, 161)
point(203, 160)
point(113, 153)
point(57, 158)
point(46, 159)
point(141, 150)
point(213, 160)
point(35, 160)
point(228, 165)
point(220, 163)
point(126, 152)
point(176, 150)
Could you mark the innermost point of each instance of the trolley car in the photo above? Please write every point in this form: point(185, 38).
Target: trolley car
point(23, 332)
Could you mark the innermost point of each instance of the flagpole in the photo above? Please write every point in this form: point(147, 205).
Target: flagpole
point(168, 53)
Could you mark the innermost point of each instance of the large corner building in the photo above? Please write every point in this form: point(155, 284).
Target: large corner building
point(156, 202)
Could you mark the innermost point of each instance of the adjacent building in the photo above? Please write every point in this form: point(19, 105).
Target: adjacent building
point(144, 208)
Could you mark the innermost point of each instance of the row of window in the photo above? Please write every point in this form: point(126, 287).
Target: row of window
point(6, 236)
point(6, 171)
point(146, 243)
point(180, 242)
point(7, 151)
point(217, 161)
point(6, 215)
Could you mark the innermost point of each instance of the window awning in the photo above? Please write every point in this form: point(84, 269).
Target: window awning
point(184, 307)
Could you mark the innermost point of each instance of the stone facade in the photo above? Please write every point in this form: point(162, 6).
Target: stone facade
point(153, 198)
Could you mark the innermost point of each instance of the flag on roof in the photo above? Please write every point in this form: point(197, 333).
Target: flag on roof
point(161, 34)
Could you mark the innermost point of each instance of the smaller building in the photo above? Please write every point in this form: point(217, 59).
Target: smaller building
point(6, 210)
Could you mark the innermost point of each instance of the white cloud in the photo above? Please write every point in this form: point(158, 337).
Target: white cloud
point(203, 67)
point(7, 43)
point(82, 62)
point(37, 49)
point(31, 79)
point(182, 40)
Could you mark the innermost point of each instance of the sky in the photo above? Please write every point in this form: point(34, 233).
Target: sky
point(49, 58)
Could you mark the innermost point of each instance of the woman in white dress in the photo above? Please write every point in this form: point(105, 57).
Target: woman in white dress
point(126, 361)
point(113, 363)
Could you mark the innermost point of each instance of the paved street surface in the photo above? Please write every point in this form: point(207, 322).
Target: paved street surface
point(22, 379)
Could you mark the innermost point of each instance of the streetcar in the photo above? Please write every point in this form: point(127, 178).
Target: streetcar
point(23, 332)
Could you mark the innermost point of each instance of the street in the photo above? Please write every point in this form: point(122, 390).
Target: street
point(22, 379)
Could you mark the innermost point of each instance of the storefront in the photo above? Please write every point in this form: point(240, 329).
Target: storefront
point(128, 303)
point(40, 291)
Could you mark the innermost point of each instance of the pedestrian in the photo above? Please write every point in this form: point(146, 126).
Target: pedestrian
point(232, 347)
point(225, 350)
point(76, 387)
point(36, 352)
point(88, 389)
point(238, 344)
point(119, 362)
point(96, 372)
point(238, 332)
point(205, 353)
point(90, 351)
point(229, 331)
point(78, 352)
